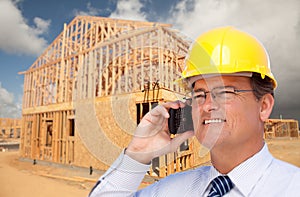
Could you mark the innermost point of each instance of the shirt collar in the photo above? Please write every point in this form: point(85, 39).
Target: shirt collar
point(213, 173)
point(246, 175)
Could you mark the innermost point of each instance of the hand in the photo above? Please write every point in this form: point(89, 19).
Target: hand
point(151, 138)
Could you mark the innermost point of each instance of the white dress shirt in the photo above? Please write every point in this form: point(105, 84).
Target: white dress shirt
point(260, 175)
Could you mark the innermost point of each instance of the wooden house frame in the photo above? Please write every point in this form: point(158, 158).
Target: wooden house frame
point(85, 94)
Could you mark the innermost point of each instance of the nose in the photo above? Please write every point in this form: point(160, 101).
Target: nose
point(210, 103)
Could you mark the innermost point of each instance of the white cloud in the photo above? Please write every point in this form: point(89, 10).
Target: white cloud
point(194, 17)
point(91, 11)
point(16, 35)
point(125, 9)
point(130, 10)
point(42, 26)
point(8, 107)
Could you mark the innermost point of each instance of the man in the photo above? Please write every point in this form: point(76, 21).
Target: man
point(232, 88)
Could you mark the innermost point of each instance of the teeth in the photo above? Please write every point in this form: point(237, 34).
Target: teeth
point(213, 121)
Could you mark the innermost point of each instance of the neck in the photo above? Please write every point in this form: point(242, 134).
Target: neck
point(226, 157)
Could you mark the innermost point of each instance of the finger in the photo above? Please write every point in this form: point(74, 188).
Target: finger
point(163, 109)
point(159, 110)
point(155, 117)
point(180, 138)
point(151, 125)
point(174, 104)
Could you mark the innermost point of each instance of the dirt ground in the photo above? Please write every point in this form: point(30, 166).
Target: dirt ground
point(22, 178)
point(286, 149)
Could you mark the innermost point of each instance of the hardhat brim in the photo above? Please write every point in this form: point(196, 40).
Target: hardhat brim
point(193, 79)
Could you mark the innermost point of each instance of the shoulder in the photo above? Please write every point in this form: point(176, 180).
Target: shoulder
point(284, 167)
point(285, 173)
point(288, 176)
point(185, 183)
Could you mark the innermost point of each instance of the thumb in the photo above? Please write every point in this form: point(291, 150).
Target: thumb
point(179, 139)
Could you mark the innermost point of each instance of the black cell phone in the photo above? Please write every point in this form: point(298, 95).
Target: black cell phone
point(180, 120)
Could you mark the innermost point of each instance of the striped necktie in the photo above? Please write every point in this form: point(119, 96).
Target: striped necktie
point(220, 186)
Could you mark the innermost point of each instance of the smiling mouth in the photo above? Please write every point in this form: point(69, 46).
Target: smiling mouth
point(213, 121)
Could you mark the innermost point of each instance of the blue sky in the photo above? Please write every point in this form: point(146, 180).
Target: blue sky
point(29, 26)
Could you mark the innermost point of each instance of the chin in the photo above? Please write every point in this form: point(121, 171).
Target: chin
point(211, 136)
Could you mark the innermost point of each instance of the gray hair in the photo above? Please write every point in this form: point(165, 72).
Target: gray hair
point(261, 86)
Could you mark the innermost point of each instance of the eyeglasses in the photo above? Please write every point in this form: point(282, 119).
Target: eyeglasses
point(221, 95)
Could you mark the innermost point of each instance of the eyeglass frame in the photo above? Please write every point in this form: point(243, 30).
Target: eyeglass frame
point(189, 100)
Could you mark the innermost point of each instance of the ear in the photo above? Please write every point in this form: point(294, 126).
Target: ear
point(267, 103)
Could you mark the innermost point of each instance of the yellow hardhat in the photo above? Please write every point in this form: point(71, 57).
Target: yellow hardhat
point(227, 50)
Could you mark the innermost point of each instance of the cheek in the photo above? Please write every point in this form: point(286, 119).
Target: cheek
point(233, 121)
point(241, 118)
point(196, 114)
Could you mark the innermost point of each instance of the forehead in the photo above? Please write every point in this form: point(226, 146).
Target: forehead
point(219, 81)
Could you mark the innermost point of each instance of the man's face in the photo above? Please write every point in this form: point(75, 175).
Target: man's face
point(229, 122)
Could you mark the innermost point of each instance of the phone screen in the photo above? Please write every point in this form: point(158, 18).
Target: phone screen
point(180, 120)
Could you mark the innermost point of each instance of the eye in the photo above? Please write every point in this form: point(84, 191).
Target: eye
point(224, 92)
point(227, 92)
point(199, 96)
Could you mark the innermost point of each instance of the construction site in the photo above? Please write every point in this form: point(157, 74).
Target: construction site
point(10, 128)
point(86, 93)
point(84, 96)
